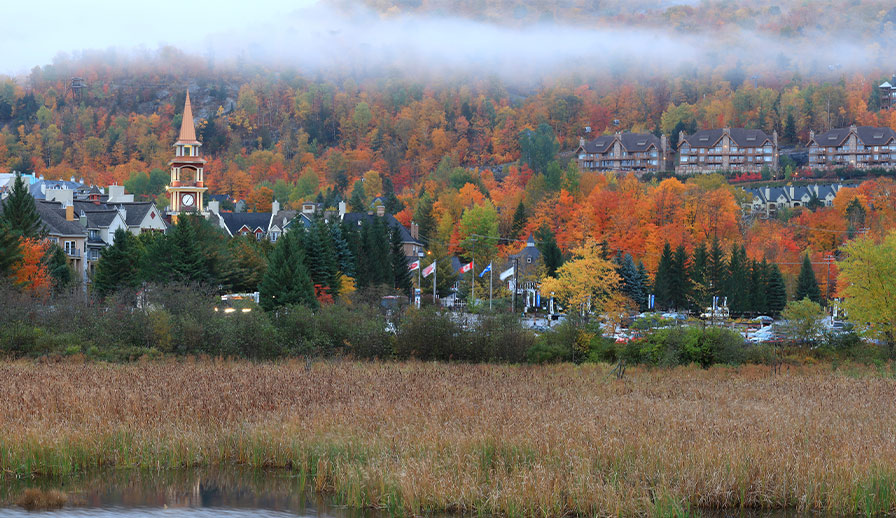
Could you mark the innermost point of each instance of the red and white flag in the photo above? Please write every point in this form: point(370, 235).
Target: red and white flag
point(429, 269)
point(413, 266)
point(467, 267)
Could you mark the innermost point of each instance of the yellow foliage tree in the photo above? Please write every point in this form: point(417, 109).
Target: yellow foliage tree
point(868, 274)
point(586, 279)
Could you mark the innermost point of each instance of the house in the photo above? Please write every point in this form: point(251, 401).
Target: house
point(768, 201)
point(887, 94)
point(65, 229)
point(410, 238)
point(638, 152)
point(860, 147)
point(727, 149)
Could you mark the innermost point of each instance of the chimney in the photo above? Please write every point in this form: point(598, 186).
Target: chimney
point(83, 220)
point(415, 230)
point(811, 134)
point(380, 210)
point(581, 141)
point(775, 138)
point(65, 197)
point(116, 193)
point(342, 210)
point(214, 206)
point(275, 207)
point(69, 213)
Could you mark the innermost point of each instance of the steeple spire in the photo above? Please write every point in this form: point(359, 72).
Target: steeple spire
point(187, 130)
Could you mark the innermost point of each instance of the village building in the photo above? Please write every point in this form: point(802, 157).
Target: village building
point(859, 147)
point(727, 149)
point(768, 201)
point(639, 152)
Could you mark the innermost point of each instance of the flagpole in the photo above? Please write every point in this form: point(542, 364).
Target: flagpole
point(473, 281)
point(435, 273)
point(489, 286)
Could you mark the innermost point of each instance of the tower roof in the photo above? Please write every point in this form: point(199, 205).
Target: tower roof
point(187, 129)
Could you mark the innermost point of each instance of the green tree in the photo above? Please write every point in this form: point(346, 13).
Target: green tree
point(538, 148)
point(737, 282)
point(802, 320)
point(679, 283)
point(662, 283)
point(357, 202)
point(245, 264)
point(633, 284)
point(10, 252)
point(869, 273)
point(119, 266)
point(550, 252)
point(479, 231)
point(320, 257)
point(286, 281)
point(776, 291)
point(400, 273)
point(806, 284)
point(344, 257)
point(519, 221)
point(18, 213)
point(424, 219)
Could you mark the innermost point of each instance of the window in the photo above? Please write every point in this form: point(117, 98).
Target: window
point(93, 255)
point(69, 247)
point(528, 260)
point(274, 236)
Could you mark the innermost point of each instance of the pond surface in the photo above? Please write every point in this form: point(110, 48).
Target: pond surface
point(185, 493)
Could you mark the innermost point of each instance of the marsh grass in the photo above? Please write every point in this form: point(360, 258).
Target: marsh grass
point(35, 499)
point(414, 438)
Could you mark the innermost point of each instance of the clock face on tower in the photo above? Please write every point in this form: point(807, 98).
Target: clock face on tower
point(187, 200)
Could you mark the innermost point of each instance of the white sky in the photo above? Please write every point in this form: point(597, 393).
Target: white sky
point(37, 30)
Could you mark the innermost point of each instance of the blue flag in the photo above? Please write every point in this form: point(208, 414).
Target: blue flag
point(487, 269)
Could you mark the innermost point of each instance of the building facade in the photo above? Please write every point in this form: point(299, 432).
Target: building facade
point(187, 186)
point(767, 201)
point(859, 147)
point(639, 152)
point(727, 149)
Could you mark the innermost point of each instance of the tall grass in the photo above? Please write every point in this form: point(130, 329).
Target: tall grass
point(520, 441)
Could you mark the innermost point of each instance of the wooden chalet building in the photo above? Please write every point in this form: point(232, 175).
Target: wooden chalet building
point(727, 149)
point(859, 147)
point(639, 152)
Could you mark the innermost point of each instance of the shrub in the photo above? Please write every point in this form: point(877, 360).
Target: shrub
point(429, 334)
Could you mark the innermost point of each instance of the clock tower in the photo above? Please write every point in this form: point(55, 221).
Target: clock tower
point(187, 185)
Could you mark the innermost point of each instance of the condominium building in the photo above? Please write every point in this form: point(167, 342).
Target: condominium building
point(638, 152)
point(727, 149)
point(860, 147)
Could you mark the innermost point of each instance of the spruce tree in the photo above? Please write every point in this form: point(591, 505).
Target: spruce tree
point(344, 257)
point(662, 283)
point(716, 270)
point(632, 282)
point(357, 202)
point(393, 204)
point(18, 213)
point(10, 252)
point(286, 281)
point(119, 265)
point(550, 252)
point(57, 265)
point(776, 292)
point(758, 287)
point(806, 285)
point(320, 257)
point(187, 261)
point(400, 273)
point(424, 219)
point(736, 285)
point(519, 221)
point(698, 277)
point(679, 285)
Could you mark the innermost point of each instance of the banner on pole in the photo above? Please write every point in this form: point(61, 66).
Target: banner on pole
point(506, 273)
point(486, 270)
point(414, 266)
point(429, 269)
point(467, 267)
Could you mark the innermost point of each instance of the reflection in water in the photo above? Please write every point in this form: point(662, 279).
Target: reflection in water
point(193, 493)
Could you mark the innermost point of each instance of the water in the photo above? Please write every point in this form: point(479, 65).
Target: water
point(189, 493)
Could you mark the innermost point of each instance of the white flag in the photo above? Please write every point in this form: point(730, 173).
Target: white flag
point(507, 273)
point(429, 269)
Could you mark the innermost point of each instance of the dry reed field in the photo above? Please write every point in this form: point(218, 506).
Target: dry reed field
point(513, 440)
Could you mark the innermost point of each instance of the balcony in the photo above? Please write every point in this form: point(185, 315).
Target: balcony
point(73, 253)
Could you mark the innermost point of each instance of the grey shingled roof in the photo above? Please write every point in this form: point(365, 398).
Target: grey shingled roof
point(100, 218)
point(638, 142)
point(741, 136)
point(252, 220)
point(354, 218)
point(599, 145)
point(136, 211)
point(52, 215)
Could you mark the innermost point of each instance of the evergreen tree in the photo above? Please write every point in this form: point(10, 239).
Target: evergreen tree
point(187, 261)
point(344, 257)
point(320, 257)
point(698, 277)
point(286, 281)
point(716, 270)
point(400, 273)
point(736, 285)
point(373, 262)
point(645, 279)
point(357, 203)
point(424, 218)
point(806, 284)
point(662, 283)
point(18, 213)
point(57, 266)
point(10, 252)
point(519, 221)
point(550, 252)
point(789, 135)
point(679, 283)
point(633, 285)
point(776, 292)
point(393, 204)
point(119, 266)
point(758, 287)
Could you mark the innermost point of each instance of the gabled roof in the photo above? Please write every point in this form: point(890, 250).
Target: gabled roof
point(745, 138)
point(100, 218)
point(234, 221)
point(869, 135)
point(52, 215)
point(631, 142)
point(355, 218)
point(39, 188)
point(135, 211)
point(599, 145)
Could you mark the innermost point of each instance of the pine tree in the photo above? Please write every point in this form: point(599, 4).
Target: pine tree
point(400, 273)
point(550, 252)
point(679, 283)
point(698, 277)
point(58, 267)
point(424, 218)
point(662, 283)
point(119, 265)
point(806, 285)
point(716, 269)
point(758, 287)
point(188, 262)
point(344, 257)
point(357, 202)
point(10, 252)
point(789, 135)
point(320, 257)
point(736, 283)
point(632, 282)
point(393, 204)
point(18, 213)
point(776, 292)
point(286, 281)
point(519, 221)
